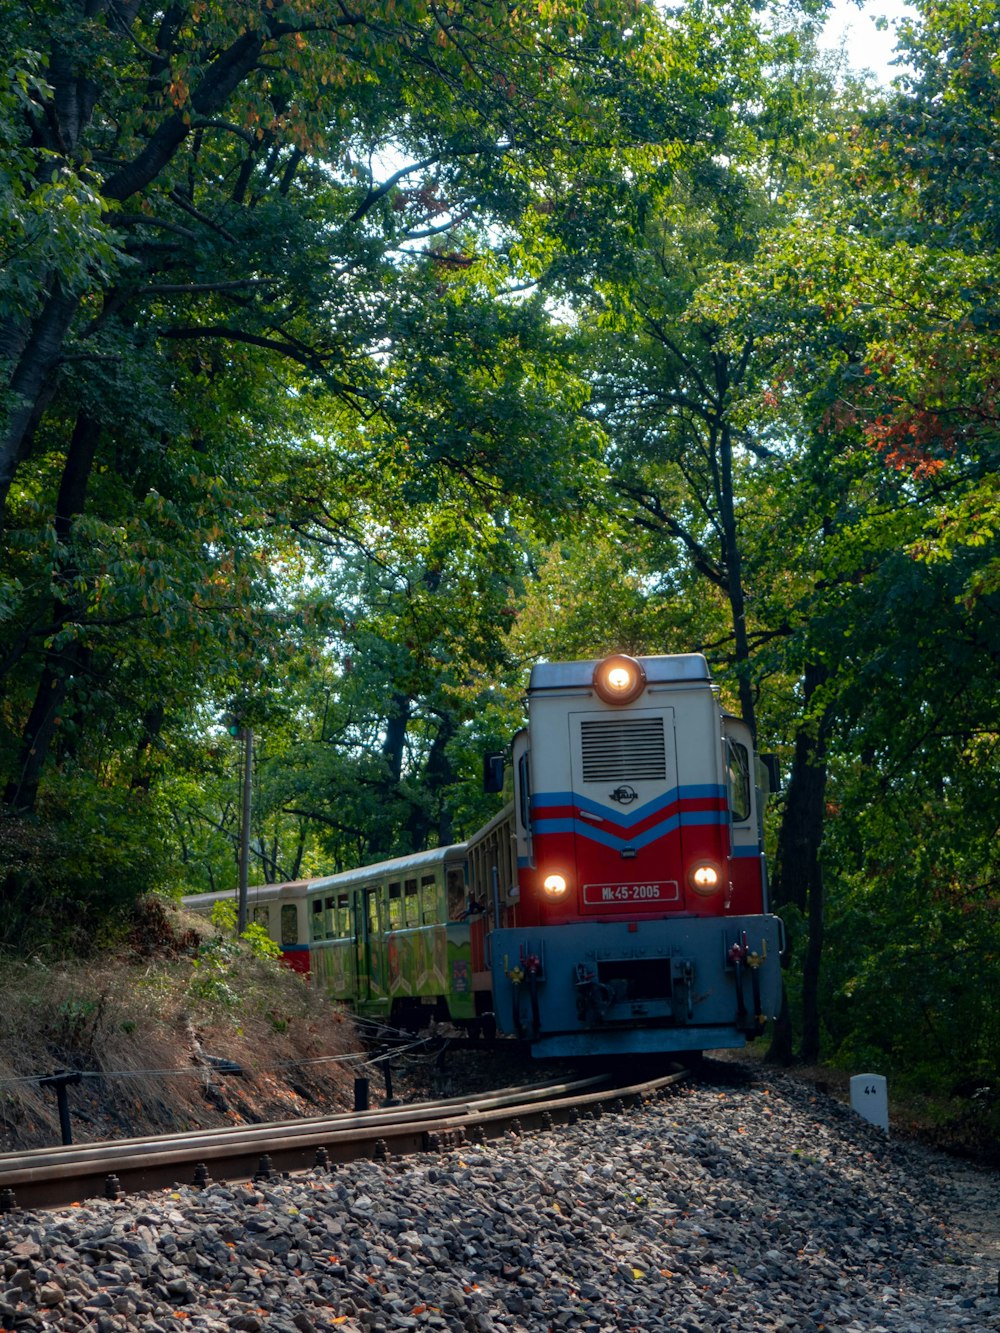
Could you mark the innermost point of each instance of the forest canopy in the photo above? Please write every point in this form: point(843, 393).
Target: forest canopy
point(356, 356)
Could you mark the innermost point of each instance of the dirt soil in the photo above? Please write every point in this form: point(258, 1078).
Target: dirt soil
point(175, 1029)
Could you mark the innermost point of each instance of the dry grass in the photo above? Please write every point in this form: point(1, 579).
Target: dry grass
point(142, 1026)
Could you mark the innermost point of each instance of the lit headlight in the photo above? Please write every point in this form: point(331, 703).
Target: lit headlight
point(705, 878)
point(619, 679)
point(555, 885)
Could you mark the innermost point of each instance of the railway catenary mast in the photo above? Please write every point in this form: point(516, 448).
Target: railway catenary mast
point(638, 921)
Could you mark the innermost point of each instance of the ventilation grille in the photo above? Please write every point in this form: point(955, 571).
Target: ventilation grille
point(624, 750)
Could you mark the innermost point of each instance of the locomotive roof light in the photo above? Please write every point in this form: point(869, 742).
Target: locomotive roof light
point(705, 878)
point(619, 679)
point(554, 885)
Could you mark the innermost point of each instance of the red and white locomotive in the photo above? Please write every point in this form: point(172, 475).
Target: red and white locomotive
point(638, 918)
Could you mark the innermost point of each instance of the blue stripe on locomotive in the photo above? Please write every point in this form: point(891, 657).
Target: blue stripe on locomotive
point(620, 823)
point(708, 791)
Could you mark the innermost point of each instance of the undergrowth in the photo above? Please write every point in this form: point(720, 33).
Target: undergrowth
point(147, 1025)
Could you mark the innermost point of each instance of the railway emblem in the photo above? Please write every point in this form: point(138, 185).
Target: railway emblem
point(624, 794)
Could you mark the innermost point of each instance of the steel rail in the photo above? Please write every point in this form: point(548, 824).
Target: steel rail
point(15, 1166)
point(50, 1177)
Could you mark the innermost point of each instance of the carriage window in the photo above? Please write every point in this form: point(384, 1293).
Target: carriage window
point(428, 899)
point(329, 919)
point(289, 924)
point(456, 894)
point(317, 925)
point(395, 907)
point(739, 781)
point(262, 917)
point(412, 903)
point(372, 895)
point(343, 915)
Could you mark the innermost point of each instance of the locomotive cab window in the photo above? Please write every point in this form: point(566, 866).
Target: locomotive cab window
point(739, 781)
point(289, 924)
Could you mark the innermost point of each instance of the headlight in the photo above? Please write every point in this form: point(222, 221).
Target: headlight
point(619, 679)
point(555, 885)
point(705, 878)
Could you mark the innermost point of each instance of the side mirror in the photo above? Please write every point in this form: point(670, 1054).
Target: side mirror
point(492, 773)
point(769, 762)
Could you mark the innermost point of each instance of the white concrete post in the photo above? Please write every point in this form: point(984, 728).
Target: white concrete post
point(870, 1098)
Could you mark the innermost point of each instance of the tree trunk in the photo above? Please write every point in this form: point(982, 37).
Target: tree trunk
point(733, 561)
point(810, 970)
point(40, 729)
point(436, 777)
point(798, 878)
point(393, 749)
point(152, 724)
point(58, 664)
point(32, 378)
point(30, 386)
point(782, 1048)
point(395, 736)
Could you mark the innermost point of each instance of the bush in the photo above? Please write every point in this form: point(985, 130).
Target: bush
point(71, 875)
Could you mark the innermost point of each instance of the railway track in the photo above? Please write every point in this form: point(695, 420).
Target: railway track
point(52, 1177)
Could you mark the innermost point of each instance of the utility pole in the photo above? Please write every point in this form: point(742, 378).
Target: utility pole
point(241, 919)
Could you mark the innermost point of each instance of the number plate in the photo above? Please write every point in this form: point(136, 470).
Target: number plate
point(600, 895)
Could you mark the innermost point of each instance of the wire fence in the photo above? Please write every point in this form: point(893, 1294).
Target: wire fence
point(407, 1048)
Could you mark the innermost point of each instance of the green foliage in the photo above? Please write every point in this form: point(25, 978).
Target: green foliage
point(71, 876)
point(349, 367)
point(261, 944)
point(226, 966)
point(212, 980)
point(260, 344)
point(922, 873)
point(224, 916)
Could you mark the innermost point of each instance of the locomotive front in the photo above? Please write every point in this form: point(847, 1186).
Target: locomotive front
point(641, 919)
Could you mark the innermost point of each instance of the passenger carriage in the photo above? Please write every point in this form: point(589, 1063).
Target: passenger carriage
point(393, 939)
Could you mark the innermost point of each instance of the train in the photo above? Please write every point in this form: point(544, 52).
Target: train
point(617, 905)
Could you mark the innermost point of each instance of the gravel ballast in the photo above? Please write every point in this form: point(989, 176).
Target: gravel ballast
point(756, 1207)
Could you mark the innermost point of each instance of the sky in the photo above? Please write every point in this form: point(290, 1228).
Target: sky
point(867, 47)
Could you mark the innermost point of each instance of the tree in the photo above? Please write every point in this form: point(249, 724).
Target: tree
point(247, 211)
point(881, 295)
